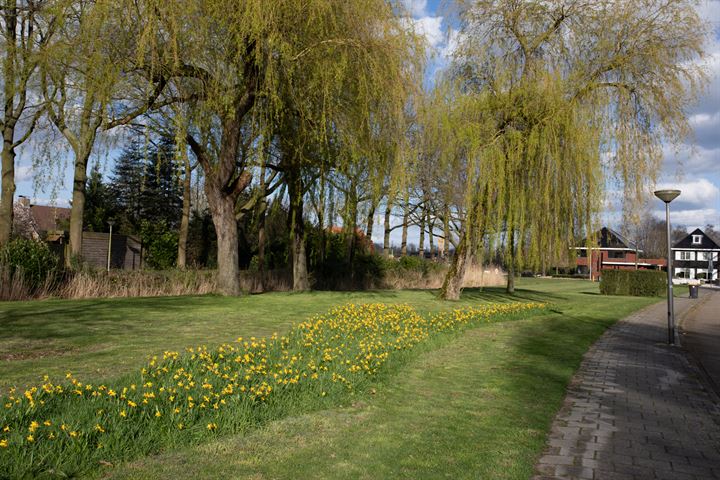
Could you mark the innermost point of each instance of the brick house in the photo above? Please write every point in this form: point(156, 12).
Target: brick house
point(695, 257)
point(613, 251)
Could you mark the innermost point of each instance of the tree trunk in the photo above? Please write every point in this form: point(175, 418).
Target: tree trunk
point(262, 209)
point(261, 243)
point(222, 207)
point(421, 246)
point(301, 281)
point(8, 186)
point(452, 285)
point(223, 185)
point(472, 230)
point(185, 220)
point(352, 214)
point(510, 288)
point(78, 205)
point(321, 221)
point(386, 239)
point(446, 233)
point(370, 223)
point(405, 221)
point(430, 237)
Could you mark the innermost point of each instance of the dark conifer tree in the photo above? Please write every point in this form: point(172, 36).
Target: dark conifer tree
point(99, 203)
point(127, 187)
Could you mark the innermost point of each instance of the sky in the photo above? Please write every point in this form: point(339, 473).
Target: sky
point(693, 168)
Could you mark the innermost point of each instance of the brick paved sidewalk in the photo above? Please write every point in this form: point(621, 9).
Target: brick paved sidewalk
point(636, 409)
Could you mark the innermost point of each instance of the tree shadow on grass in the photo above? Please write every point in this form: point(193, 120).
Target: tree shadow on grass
point(56, 319)
point(499, 294)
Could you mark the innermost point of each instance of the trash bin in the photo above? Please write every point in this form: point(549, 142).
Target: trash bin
point(694, 291)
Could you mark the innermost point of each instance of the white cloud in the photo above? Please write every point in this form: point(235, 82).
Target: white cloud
point(431, 28)
point(699, 193)
point(692, 218)
point(23, 173)
point(416, 8)
point(452, 41)
point(710, 10)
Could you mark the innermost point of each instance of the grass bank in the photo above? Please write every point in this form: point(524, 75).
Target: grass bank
point(475, 405)
point(478, 406)
point(100, 339)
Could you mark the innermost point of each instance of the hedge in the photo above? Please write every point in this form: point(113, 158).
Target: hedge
point(637, 283)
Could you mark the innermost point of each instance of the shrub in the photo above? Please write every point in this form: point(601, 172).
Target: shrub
point(160, 244)
point(637, 283)
point(32, 261)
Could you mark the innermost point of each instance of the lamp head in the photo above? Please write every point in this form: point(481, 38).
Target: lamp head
point(667, 196)
point(111, 222)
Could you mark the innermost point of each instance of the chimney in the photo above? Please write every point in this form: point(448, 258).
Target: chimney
point(24, 201)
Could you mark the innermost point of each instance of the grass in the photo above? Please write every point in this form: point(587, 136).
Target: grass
point(471, 406)
point(477, 406)
point(103, 339)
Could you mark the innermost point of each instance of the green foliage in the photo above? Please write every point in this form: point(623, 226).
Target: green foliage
point(99, 203)
point(144, 186)
point(32, 260)
point(126, 185)
point(413, 264)
point(160, 244)
point(202, 240)
point(637, 283)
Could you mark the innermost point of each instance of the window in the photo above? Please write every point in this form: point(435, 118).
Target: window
point(582, 253)
point(697, 239)
point(684, 256)
point(616, 254)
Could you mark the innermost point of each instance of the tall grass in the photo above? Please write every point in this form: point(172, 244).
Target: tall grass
point(15, 286)
point(93, 284)
point(148, 283)
point(475, 276)
point(73, 428)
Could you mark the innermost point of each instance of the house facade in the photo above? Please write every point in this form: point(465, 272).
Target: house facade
point(613, 251)
point(695, 258)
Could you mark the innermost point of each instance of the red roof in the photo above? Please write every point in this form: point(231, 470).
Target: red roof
point(50, 218)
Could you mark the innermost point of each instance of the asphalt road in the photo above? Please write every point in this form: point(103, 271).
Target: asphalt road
point(701, 334)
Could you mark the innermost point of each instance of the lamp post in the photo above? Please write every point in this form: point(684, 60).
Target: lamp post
point(668, 196)
point(111, 223)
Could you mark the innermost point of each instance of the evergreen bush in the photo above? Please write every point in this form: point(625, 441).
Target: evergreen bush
point(636, 283)
point(32, 260)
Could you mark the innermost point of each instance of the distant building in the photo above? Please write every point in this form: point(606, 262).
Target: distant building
point(51, 224)
point(613, 251)
point(695, 257)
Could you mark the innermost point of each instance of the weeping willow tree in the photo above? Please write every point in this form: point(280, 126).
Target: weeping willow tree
point(84, 73)
point(252, 67)
point(563, 96)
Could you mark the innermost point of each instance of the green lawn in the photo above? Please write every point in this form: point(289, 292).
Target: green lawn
point(474, 405)
point(102, 339)
point(477, 406)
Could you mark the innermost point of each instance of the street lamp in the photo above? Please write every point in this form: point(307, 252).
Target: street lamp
point(668, 196)
point(111, 223)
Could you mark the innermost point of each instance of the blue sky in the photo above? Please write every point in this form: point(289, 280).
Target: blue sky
point(694, 167)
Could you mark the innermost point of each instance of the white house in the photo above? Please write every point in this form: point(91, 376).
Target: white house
point(695, 257)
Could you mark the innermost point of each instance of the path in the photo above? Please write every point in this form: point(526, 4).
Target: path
point(701, 335)
point(636, 409)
